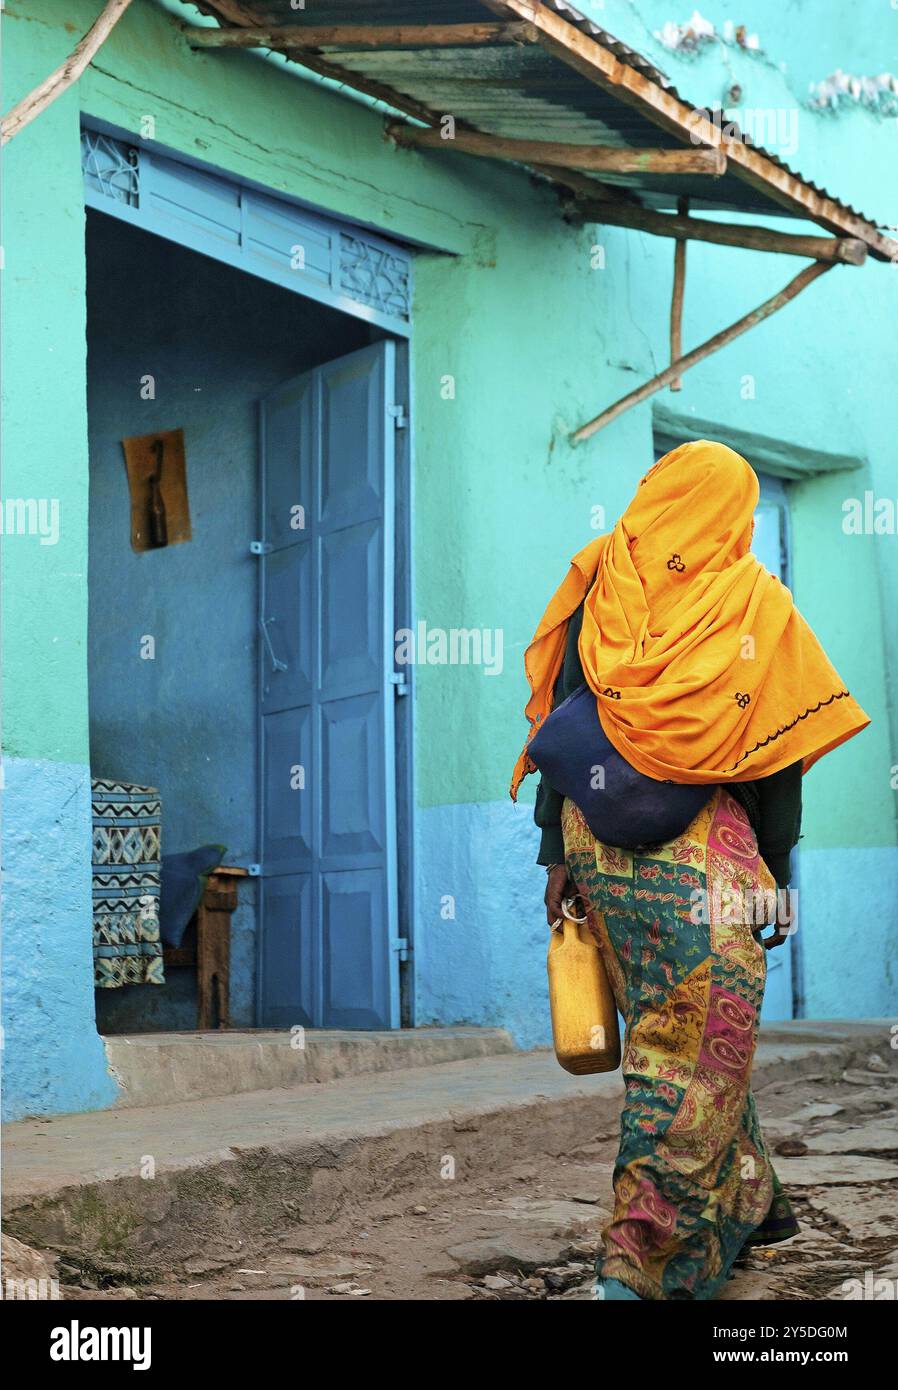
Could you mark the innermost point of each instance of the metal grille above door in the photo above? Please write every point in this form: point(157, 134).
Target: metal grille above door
point(337, 263)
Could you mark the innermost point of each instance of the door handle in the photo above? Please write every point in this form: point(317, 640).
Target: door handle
point(276, 663)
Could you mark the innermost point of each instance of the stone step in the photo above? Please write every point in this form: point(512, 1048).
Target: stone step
point(159, 1068)
point(150, 1188)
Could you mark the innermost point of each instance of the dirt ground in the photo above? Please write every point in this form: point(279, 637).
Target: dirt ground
point(531, 1232)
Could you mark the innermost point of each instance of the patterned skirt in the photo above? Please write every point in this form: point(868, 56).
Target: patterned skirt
point(693, 1182)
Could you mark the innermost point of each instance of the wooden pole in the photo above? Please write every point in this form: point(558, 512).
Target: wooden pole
point(599, 158)
point(65, 75)
point(676, 303)
point(360, 35)
point(802, 279)
point(847, 250)
point(578, 183)
point(235, 11)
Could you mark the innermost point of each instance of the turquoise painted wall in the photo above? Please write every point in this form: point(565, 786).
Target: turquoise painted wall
point(53, 1058)
point(536, 340)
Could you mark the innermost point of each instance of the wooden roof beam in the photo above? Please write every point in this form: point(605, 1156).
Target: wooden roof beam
point(597, 158)
point(677, 297)
point(595, 62)
point(238, 14)
point(847, 250)
point(361, 36)
point(727, 335)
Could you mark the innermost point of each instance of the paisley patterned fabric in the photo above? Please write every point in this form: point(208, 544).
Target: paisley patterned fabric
point(676, 925)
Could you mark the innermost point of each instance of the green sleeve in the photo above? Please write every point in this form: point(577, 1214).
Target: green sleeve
point(780, 820)
point(548, 817)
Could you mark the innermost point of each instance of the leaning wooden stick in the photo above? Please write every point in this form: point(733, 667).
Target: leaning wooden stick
point(657, 383)
point(65, 75)
point(676, 303)
point(850, 250)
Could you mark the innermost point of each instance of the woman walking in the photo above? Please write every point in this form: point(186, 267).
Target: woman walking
point(704, 673)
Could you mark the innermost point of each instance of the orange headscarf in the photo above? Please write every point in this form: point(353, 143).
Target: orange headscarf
point(703, 668)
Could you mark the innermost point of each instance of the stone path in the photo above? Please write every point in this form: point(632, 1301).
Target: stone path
point(529, 1230)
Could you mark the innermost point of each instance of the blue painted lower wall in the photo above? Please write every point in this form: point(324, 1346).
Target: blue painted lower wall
point(849, 931)
point(53, 1058)
point(487, 965)
point(484, 965)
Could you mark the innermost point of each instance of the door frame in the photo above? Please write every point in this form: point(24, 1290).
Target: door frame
point(119, 196)
point(260, 230)
point(775, 492)
point(403, 608)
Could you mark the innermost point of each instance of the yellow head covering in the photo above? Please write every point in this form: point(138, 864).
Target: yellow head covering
point(703, 668)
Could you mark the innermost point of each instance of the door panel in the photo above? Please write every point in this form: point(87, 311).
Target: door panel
point(352, 482)
point(770, 544)
point(288, 953)
point(289, 636)
point(353, 811)
point(291, 423)
point(352, 584)
point(289, 839)
point(353, 967)
point(328, 916)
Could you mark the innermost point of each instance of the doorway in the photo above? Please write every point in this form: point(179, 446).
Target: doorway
point(184, 696)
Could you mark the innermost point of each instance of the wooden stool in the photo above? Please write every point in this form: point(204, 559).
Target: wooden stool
point(212, 954)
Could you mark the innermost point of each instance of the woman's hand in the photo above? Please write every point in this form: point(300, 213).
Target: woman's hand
point(785, 923)
point(558, 886)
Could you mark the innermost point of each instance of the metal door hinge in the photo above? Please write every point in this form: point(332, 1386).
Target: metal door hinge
point(400, 419)
point(401, 946)
point(398, 680)
point(259, 548)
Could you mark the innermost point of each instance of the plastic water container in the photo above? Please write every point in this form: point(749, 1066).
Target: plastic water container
point(584, 1015)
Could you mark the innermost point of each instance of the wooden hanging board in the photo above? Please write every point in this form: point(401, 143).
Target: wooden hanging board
point(157, 478)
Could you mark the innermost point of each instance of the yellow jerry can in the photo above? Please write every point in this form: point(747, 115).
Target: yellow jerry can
point(584, 1015)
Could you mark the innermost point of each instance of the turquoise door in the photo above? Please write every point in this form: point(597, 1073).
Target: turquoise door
point(328, 955)
point(771, 545)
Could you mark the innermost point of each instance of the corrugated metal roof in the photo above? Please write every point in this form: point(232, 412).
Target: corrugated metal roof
point(641, 64)
point(527, 91)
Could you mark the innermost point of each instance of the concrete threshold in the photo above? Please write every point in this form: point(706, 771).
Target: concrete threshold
point(148, 1187)
point(162, 1068)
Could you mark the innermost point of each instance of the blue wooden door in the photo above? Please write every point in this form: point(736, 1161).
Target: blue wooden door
point(328, 951)
point(771, 545)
